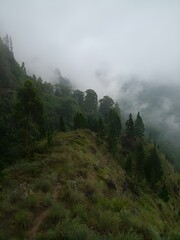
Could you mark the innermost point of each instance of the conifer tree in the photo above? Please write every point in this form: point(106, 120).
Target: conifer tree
point(91, 102)
point(106, 104)
point(140, 161)
point(11, 45)
point(79, 121)
point(29, 112)
point(6, 41)
point(128, 166)
point(153, 168)
point(130, 126)
point(113, 130)
point(139, 126)
point(62, 127)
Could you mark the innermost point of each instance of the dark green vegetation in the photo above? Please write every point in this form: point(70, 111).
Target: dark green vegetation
point(70, 169)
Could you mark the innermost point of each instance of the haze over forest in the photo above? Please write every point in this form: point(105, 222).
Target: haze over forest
point(96, 43)
point(127, 49)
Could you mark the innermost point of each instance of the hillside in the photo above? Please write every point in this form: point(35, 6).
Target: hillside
point(75, 189)
point(11, 74)
point(70, 169)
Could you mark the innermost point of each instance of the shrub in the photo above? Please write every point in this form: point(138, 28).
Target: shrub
point(43, 185)
point(57, 213)
point(49, 235)
point(72, 230)
point(23, 219)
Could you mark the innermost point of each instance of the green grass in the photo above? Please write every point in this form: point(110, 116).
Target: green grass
point(84, 207)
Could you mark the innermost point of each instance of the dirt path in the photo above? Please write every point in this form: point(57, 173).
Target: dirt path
point(40, 219)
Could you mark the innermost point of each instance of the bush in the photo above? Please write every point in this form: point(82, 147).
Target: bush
point(23, 219)
point(72, 230)
point(43, 185)
point(49, 235)
point(57, 213)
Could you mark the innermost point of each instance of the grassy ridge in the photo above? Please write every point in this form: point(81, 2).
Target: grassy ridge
point(76, 190)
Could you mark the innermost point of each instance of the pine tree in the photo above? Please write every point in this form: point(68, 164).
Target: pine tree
point(29, 112)
point(62, 127)
point(130, 126)
point(128, 166)
point(11, 45)
point(6, 40)
point(91, 102)
point(153, 168)
point(113, 130)
point(79, 121)
point(140, 161)
point(139, 126)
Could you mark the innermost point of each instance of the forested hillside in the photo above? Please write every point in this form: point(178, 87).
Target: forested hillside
point(70, 168)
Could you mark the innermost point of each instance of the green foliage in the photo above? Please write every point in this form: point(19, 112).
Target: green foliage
point(91, 102)
point(79, 98)
point(164, 194)
point(43, 185)
point(130, 127)
point(79, 121)
point(62, 127)
point(128, 166)
point(140, 161)
point(29, 111)
point(153, 168)
point(57, 213)
point(106, 104)
point(113, 130)
point(23, 219)
point(139, 126)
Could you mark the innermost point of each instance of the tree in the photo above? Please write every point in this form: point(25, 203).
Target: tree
point(6, 40)
point(11, 45)
point(130, 126)
point(62, 127)
point(101, 129)
point(29, 111)
point(113, 130)
point(23, 67)
point(117, 108)
point(140, 161)
point(106, 104)
point(91, 102)
point(128, 166)
point(79, 98)
point(92, 123)
point(139, 126)
point(79, 121)
point(153, 168)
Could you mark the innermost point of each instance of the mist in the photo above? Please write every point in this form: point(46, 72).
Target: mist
point(97, 44)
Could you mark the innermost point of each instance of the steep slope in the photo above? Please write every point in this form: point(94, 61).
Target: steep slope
point(75, 189)
point(11, 74)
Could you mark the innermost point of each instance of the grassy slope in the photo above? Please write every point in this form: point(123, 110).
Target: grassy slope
point(75, 190)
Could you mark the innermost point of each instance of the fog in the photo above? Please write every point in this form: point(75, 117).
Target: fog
point(98, 44)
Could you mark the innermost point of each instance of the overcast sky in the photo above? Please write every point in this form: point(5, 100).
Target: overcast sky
point(95, 42)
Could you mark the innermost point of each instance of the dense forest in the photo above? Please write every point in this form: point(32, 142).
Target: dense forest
point(74, 159)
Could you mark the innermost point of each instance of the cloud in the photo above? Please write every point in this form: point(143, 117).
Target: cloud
point(84, 37)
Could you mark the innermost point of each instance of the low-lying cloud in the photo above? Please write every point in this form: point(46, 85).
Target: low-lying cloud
point(97, 44)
